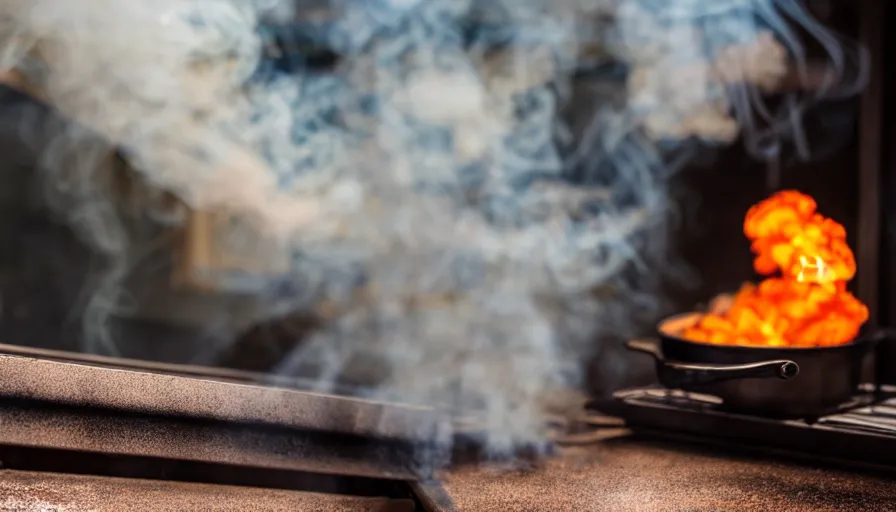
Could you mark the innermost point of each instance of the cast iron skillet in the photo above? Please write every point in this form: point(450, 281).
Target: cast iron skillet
point(769, 381)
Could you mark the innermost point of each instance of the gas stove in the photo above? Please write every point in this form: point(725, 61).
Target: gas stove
point(861, 433)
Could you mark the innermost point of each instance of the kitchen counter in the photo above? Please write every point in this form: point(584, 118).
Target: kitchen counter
point(25, 491)
point(619, 473)
point(622, 473)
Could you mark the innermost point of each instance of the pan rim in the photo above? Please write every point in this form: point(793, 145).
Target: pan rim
point(856, 342)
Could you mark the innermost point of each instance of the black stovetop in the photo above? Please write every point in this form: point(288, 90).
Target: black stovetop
point(862, 432)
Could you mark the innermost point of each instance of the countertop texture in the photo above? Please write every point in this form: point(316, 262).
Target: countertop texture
point(625, 473)
point(24, 491)
point(619, 473)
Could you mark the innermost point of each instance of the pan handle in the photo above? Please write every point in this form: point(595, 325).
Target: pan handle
point(650, 347)
point(678, 375)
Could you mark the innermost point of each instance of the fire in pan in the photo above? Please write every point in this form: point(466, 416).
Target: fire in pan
point(792, 346)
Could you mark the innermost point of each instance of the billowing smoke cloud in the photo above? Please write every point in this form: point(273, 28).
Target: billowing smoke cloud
point(465, 241)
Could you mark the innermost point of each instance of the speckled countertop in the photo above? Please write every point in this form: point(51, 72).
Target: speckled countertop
point(24, 491)
point(620, 473)
point(623, 473)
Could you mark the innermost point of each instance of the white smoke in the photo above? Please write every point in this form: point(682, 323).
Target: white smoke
point(455, 231)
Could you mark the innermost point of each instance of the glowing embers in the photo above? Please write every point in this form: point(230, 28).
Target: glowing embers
point(807, 304)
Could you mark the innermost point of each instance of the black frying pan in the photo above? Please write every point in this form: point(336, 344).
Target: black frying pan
point(770, 381)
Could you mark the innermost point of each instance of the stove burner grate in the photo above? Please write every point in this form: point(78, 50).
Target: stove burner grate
point(862, 432)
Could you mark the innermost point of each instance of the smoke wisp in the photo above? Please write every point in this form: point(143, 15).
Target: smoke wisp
point(468, 231)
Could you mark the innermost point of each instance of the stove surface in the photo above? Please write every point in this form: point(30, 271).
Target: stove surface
point(108, 446)
point(861, 433)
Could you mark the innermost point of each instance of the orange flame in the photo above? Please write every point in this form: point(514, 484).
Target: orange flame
point(808, 305)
